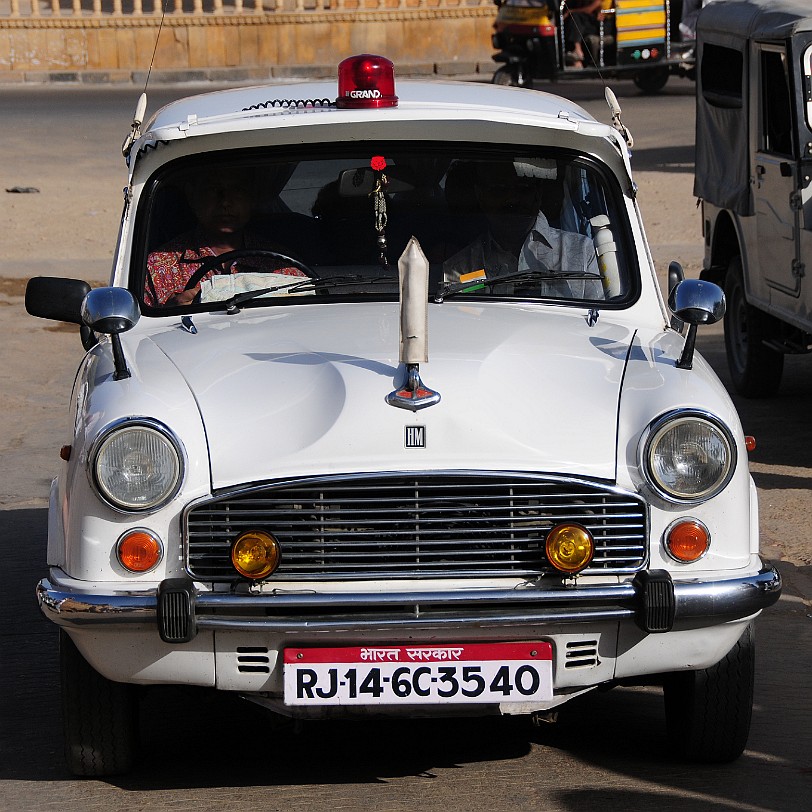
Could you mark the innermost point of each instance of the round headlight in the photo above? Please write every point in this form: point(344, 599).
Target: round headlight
point(688, 457)
point(137, 467)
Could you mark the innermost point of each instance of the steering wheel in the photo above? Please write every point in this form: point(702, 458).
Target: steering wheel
point(210, 263)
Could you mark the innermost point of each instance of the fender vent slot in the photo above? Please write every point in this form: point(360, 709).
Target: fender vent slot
point(253, 660)
point(581, 654)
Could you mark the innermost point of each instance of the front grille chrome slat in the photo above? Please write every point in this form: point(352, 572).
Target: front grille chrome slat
point(465, 525)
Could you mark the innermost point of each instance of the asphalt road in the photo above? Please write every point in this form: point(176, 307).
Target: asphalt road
point(202, 752)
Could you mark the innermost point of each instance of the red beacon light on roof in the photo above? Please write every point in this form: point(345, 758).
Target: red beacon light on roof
point(366, 81)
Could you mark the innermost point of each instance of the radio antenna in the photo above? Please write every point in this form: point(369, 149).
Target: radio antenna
point(141, 107)
point(155, 48)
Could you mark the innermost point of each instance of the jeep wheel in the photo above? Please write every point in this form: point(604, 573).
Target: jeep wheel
point(708, 712)
point(99, 717)
point(754, 368)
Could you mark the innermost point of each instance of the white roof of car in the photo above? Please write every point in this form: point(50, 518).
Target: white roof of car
point(273, 106)
point(292, 98)
point(427, 110)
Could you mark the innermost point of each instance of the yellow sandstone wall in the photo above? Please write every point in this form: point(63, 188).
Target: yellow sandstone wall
point(419, 36)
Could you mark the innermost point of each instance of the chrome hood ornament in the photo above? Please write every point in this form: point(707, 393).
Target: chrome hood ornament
point(413, 268)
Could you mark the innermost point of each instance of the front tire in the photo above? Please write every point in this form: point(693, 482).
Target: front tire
point(99, 717)
point(755, 369)
point(708, 712)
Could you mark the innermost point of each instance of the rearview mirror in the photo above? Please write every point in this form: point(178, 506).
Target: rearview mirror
point(361, 182)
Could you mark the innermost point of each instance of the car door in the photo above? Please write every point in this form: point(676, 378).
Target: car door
point(774, 177)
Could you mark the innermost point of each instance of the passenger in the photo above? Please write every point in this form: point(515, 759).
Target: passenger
point(519, 237)
point(582, 26)
point(224, 202)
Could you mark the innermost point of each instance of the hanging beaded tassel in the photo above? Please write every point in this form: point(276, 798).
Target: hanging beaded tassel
point(378, 164)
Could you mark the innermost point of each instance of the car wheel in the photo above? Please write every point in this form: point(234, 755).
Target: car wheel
point(708, 711)
point(754, 368)
point(99, 717)
point(504, 76)
point(652, 80)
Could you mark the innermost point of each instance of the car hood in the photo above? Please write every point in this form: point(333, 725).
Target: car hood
point(302, 390)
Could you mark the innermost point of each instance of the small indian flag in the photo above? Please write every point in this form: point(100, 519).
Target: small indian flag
point(474, 276)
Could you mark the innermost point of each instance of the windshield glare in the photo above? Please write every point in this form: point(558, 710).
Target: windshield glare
point(259, 231)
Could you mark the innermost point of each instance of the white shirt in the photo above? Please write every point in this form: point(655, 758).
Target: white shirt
point(545, 249)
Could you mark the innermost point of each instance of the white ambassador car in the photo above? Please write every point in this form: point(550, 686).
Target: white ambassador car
point(407, 430)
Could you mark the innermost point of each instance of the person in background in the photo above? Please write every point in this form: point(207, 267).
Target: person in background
point(582, 26)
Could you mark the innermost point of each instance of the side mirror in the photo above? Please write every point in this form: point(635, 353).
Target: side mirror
point(695, 301)
point(675, 276)
point(111, 311)
point(49, 297)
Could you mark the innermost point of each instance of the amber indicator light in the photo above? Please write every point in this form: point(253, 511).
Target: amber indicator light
point(688, 540)
point(139, 551)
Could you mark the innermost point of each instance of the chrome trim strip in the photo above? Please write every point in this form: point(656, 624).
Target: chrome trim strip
point(696, 603)
point(68, 607)
point(353, 623)
point(475, 473)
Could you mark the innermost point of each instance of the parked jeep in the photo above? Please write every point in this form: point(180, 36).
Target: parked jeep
point(754, 178)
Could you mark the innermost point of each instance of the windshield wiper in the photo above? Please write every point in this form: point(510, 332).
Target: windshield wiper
point(232, 305)
point(448, 289)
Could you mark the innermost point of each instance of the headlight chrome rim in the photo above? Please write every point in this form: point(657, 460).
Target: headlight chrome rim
point(115, 430)
point(656, 432)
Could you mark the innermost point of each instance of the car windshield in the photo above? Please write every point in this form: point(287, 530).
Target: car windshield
point(226, 231)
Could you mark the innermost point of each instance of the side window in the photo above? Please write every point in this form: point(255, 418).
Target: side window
point(722, 74)
point(775, 119)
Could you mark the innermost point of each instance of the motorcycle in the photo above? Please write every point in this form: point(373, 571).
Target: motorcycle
point(546, 40)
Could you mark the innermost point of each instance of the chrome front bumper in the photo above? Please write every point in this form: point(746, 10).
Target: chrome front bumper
point(653, 601)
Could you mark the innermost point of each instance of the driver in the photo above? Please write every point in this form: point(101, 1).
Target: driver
point(223, 202)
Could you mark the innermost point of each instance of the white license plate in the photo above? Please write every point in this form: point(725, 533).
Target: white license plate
point(420, 674)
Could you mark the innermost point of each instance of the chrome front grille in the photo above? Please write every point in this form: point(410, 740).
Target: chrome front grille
point(452, 525)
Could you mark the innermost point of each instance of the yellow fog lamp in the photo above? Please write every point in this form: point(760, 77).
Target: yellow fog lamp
point(255, 554)
point(570, 548)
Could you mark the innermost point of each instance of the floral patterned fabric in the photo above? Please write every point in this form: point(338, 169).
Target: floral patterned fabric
point(170, 267)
